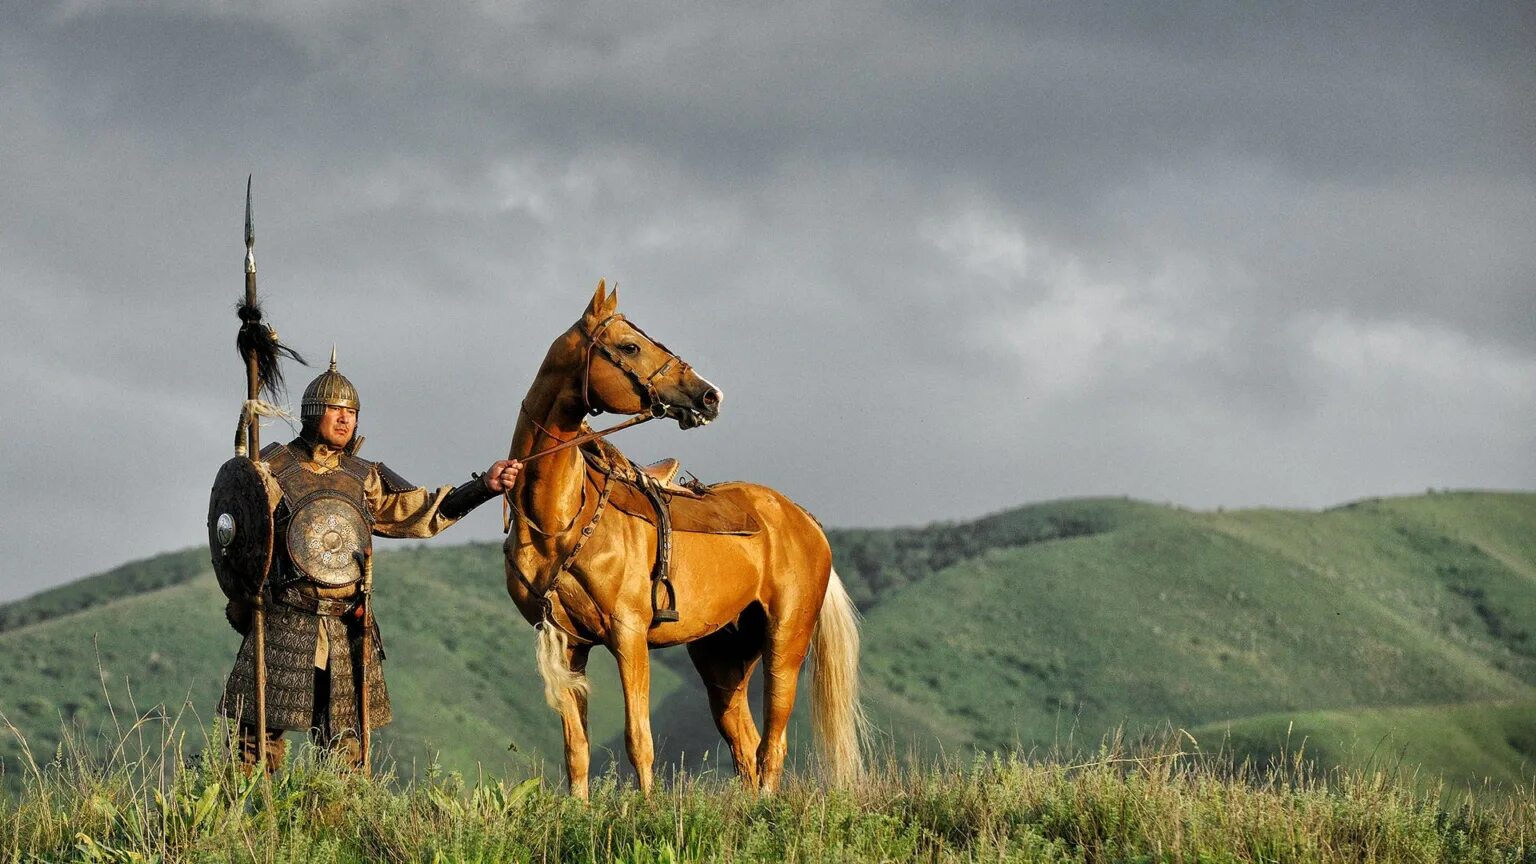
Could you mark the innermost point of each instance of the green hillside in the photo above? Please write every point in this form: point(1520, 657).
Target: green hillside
point(136, 577)
point(1192, 618)
point(1468, 746)
point(1043, 625)
point(460, 666)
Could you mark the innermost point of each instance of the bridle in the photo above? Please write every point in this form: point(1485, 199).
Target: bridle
point(654, 404)
point(654, 408)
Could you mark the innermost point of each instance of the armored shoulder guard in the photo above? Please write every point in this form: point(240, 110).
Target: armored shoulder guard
point(355, 467)
point(393, 482)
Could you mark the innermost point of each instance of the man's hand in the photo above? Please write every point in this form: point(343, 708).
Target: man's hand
point(500, 476)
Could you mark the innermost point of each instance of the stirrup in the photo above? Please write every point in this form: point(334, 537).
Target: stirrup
point(663, 614)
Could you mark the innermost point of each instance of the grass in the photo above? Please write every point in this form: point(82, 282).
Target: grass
point(1018, 630)
point(140, 795)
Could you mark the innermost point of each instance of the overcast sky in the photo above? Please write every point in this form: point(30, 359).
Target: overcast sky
point(943, 259)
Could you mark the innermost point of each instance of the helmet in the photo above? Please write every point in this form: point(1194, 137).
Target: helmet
point(330, 388)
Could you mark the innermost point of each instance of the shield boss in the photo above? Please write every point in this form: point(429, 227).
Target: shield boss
point(326, 539)
point(239, 529)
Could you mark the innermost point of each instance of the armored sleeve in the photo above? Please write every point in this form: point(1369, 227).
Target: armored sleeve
point(402, 510)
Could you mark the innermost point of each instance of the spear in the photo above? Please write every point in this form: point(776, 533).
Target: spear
point(260, 349)
point(250, 317)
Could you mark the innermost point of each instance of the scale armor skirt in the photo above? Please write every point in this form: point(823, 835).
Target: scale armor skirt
point(291, 638)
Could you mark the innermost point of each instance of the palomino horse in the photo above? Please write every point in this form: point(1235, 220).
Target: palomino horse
point(582, 572)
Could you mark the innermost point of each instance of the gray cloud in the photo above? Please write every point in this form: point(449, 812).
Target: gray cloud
point(940, 263)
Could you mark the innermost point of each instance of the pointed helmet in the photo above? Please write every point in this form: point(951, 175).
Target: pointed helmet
point(329, 388)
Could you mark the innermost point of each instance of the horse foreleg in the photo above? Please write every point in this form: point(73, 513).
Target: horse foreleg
point(725, 664)
point(633, 656)
point(573, 720)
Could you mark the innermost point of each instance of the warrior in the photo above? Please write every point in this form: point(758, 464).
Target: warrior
point(323, 650)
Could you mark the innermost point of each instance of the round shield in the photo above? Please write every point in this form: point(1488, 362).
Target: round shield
point(239, 529)
point(328, 538)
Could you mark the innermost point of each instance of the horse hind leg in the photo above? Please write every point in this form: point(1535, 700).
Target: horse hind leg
point(785, 654)
point(725, 661)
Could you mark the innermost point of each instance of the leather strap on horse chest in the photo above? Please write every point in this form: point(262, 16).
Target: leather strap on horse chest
point(660, 571)
point(586, 530)
point(565, 563)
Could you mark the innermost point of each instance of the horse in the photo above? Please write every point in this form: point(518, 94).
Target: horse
point(581, 572)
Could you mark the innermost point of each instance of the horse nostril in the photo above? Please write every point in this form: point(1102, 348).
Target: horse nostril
point(712, 397)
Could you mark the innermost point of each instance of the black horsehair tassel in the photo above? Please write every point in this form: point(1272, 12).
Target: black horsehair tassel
point(258, 340)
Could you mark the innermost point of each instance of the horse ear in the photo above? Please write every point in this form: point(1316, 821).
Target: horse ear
point(599, 300)
point(613, 300)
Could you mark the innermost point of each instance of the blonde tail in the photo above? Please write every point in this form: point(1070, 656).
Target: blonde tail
point(554, 667)
point(838, 716)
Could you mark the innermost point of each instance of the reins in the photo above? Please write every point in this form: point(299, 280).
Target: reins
point(587, 436)
point(507, 507)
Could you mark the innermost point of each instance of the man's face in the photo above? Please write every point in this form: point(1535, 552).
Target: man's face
point(337, 425)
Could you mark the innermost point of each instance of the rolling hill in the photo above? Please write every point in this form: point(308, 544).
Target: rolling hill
point(1405, 621)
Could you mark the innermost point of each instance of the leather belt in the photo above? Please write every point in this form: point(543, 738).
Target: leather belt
point(315, 605)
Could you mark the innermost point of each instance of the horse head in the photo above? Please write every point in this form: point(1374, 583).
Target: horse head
point(624, 371)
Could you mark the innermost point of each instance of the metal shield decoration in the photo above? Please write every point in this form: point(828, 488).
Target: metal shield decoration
point(239, 528)
point(328, 539)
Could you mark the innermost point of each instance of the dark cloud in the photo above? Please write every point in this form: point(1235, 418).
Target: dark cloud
point(942, 260)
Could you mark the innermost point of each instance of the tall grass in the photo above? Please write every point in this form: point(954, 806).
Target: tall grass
point(151, 791)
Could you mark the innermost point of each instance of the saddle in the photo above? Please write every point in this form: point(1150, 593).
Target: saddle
point(664, 473)
point(720, 508)
point(651, 493)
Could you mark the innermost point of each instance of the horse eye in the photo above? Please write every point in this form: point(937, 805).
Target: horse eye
point(630, 348)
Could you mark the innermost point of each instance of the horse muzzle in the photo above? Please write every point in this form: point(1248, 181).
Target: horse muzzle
point(700, 411)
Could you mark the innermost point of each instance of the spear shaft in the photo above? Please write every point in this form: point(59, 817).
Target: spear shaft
point(253, 450)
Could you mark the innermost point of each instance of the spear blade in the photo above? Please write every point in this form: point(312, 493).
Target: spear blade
point(250, 240)
point(257, 343)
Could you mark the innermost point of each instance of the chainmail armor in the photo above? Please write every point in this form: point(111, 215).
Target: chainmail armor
point(291, 636)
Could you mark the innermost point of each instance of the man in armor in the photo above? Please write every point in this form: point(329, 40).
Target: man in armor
point(326, 503)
